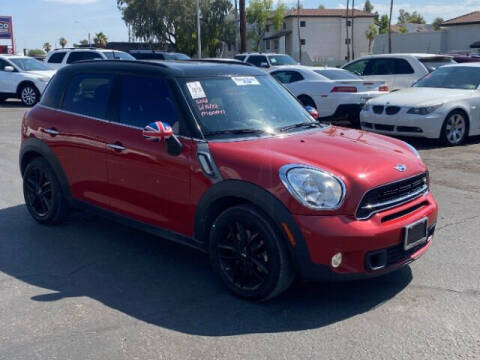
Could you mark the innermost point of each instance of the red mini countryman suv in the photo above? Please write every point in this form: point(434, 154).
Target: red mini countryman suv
point(222, 158)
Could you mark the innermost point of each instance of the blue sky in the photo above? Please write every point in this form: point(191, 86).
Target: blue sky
point(39, 21)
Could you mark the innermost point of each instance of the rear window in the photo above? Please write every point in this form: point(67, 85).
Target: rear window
point(278, 60)
point(56, 58)
point(118, 55)
point(257, 60)
point(434, 63)
point(82, 55)
point(88, 94)
point(337, 74)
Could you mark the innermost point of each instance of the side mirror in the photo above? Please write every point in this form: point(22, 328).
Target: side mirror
point(264, 65)
point(9, 68)
point(160, 131)
point(312, 111)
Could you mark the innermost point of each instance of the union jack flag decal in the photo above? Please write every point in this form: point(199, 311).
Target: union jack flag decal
point(157, 131)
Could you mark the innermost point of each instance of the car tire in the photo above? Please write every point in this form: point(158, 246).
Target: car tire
point(455, 128)
point(43, 194)
point(307, 101)
point(248, 254)
point(29, 94)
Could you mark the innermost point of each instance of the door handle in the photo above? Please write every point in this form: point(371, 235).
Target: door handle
point(51, 131)
point(116, 147)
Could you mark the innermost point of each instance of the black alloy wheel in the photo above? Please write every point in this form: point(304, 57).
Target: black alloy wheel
point(248, 254)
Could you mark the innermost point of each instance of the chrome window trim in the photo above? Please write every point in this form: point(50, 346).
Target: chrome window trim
point(402, 200)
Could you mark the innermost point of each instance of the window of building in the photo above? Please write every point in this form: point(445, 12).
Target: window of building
point(276, 44)
point(302, 42)
point(267, 29)
point(303, 24)
point(267, 44)
point(284, 26)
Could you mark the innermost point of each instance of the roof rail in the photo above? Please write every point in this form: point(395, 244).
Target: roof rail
point(221, 61)
point(77, 48)
point(109, 61)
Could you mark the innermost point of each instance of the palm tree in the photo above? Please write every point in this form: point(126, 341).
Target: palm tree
point(370, 34)
point(63, 42)
point(47, 47)
point(100, 40)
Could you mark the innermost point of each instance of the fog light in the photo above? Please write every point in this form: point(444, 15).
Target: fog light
point(337, 260)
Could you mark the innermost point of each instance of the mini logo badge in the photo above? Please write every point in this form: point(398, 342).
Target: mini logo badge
point(400, 167)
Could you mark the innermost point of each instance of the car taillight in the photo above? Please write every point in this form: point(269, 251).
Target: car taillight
point(347, 89)
point(383, 88)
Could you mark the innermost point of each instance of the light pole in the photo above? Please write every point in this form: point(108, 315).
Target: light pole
point(199, 39)
point(390, 28)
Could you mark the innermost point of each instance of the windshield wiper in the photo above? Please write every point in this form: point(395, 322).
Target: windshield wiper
point(302, 124)
point(235, 131)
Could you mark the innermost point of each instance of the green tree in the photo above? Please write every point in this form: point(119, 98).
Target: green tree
point(437, 22)
point(100, 40)
point(321, 7)
point(368, 7)
point(83, 42)
point(405, 17)
point(215, 28)
point(370, 34)
point(383, 24)
point(63, 42)
point(47, 47)
point(36, 52)
point(261, 12)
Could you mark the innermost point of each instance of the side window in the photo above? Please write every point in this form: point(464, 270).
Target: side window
point(147, 99)
point(82, 55)
point(257, 60)
point(56, 58)
point(402, 67)
point(3, 63)
point(357, 67)
point(281, 76)
point(295, 76)
point(382, 66)
point(88, 94)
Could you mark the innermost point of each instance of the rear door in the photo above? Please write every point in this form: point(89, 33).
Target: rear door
point(55, 60)
point(76, 131)
point(147, 183)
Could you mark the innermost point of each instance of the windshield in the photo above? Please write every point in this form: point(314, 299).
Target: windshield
point(278, 60)
point(112, 55)
point(29, 64)
point(434, 63)
point(244, 105)
point(337, 74)
point(452, 77)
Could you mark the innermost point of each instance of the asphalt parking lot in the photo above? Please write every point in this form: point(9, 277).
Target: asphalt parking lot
point(93, 289)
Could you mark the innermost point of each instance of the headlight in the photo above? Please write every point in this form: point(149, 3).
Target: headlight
point(366, 107)
point(312, 187)
point(423, 110)
point(413, 150)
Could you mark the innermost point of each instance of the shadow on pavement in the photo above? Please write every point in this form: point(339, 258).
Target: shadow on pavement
point(163, 283)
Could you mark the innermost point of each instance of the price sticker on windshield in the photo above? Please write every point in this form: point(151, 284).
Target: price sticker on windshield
point(245, 80)
point(196, 90)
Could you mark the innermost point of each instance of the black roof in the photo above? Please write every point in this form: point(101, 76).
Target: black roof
point(173, 68)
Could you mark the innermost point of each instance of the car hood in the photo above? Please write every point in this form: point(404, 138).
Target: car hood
point(417, 96)
point(361, 159)
point(42, 73)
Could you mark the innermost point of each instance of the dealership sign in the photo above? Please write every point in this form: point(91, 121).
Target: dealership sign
point(6, 29)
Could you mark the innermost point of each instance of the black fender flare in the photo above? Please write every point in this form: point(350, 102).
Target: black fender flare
point(33, 147)
point(233, 192)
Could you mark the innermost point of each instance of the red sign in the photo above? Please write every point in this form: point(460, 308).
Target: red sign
point(6, 28)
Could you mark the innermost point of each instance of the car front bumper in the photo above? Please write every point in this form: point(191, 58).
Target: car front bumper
point(359, 240)
point(401, 124)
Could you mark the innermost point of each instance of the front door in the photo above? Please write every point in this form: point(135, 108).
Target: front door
point(147, 183)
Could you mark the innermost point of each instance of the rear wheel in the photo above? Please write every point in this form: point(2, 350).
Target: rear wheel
point(43, 195)
point(454, 129)
point(248, 254)
point(29, 95)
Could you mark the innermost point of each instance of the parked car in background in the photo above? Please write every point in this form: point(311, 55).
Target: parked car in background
point(397, 70)
point(266, 60)
point(443, 105)
point(60, 57)
point(223, 158)
point(23, 77)
point(157, 55)
point(335, 93)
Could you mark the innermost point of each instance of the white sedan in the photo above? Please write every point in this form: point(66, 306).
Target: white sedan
point(335, 93)
point(443, 105)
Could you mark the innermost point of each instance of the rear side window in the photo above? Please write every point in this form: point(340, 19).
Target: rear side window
point(384, 66)
point(402, 67)
point(144, 100)
point(82, 55)
point(257, 60)
point(88, 94)
point(56, 58)
point(434, 63)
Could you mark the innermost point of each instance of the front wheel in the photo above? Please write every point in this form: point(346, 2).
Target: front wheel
point(43, 194)
point(248, 254)
point(454, 129)
point(29, 95)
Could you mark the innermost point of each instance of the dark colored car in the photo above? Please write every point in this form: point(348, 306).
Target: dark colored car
point(157, 55)
point(222, 158)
